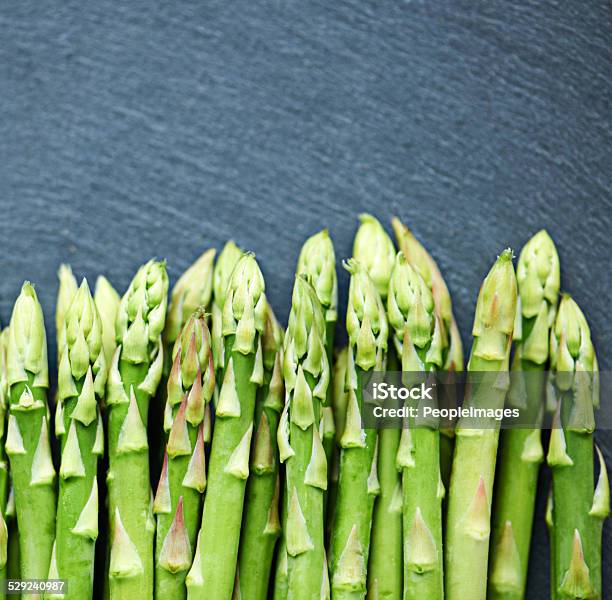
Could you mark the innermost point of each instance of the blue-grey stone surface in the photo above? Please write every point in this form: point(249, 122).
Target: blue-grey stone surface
point(136, 129)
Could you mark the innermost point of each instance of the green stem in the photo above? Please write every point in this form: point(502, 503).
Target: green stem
point(350, 541)
point(222, 515)
point(169, 584)
point(471, 489)
point(385, 568)
point(130, 490)
point(34, 503)
point(75, 552)
point(422, 518)
point(305, 568)
point(281, 578)
point(261, 525)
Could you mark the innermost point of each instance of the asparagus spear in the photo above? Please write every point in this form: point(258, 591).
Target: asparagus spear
point(192, 291)
point(469, 503)
point(366, 324)
point(133, 378)
point(419, 258)
point(178, 500)
point(261, 523)
point(374, 249)
point(339, 399)
point(521, 449)
point(27, 442)
point(4, 471)
point(244, 313)
point(306, 373)
point(67, 290)
point(420, 340)
point(579, 507)
point(81, 382)
point(317, 261)
point(339, 395)
point(228, 258)
point(107, 301)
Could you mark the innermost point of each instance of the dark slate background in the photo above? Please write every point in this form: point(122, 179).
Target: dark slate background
point(131, 131)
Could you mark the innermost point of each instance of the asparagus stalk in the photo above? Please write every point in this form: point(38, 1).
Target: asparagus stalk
point(471, 487)
point(420, 340)
point(178, 499)
point(521, 449)
point(133, 378)
point(318, 262)
point(419, 258)
point(261, 523)
point(366, 324)
point(67, 290)
point(374, 249)
point(213, 570)
point(4, 471)
point(81, 382)
point(107, 301)
point(306, 373)
point(27, 443)
point(579, 507)
point(228, 258)
point(339, 395)
point(339, 400)
point(192, 291)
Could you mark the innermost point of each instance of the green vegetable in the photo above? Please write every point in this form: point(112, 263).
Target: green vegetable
point(419, 258)
point(358, 485)
point(107, 301)
point(318, 262)
point(306, 372)
point(81, 383)
point(228, 258)
point(27, 441)
point(385, 577)
point(521, 450)
point(374, 249)
point(66, 292)
point(421, 342)
point(339, 395)
point(134, 375)
point(244, 313)
point(471, 488)
point(339, 400)
point(261, 523)
point(579, 507)
point(178, 500)
point(192, 291)
point(4, 471)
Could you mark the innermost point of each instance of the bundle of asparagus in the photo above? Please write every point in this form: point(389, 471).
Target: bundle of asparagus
point(279, 488)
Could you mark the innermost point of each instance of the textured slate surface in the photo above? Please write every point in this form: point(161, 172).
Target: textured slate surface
point(128, 132)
